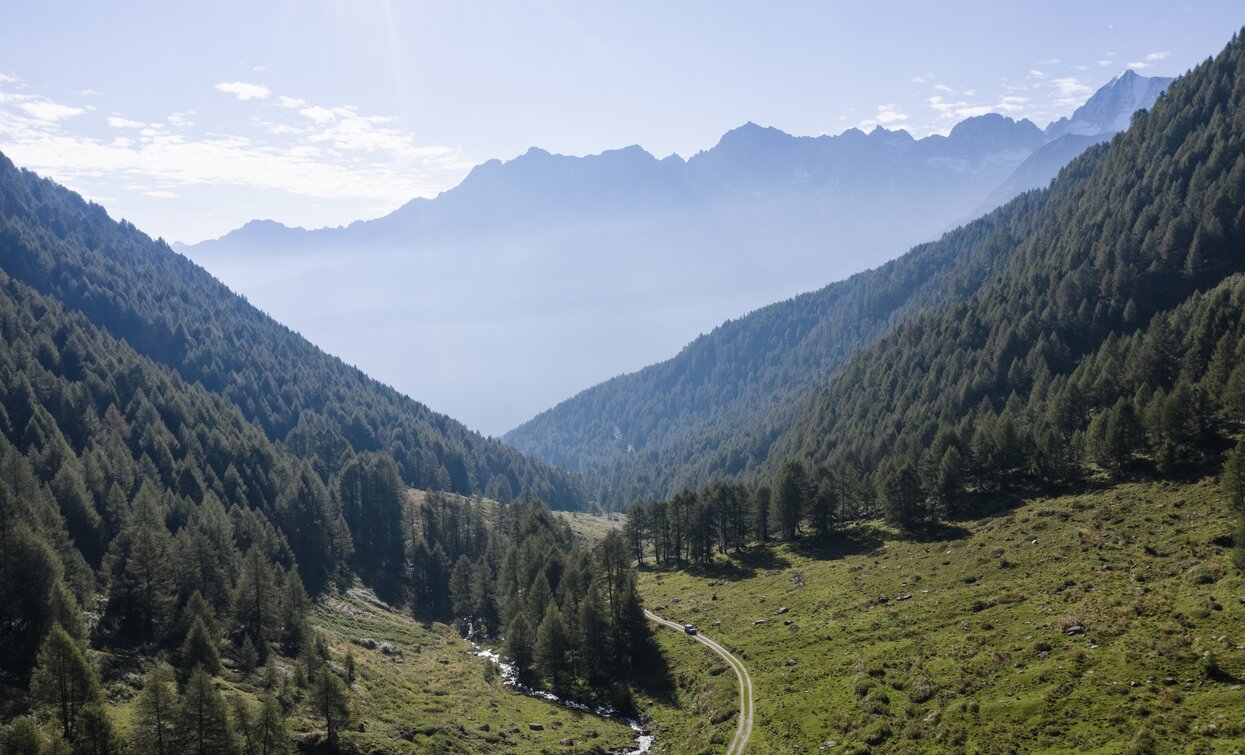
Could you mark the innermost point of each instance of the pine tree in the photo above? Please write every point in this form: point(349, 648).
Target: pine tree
point(22, 737)
point(330, 702)
point(949, 481)
point(294, 605)
point(65, 681)
point(790, 496)
point(268, 729)
point(761, 514)
point(96, 735)
point(255, 600)
point(139, 565)
point(898, 489)
point(28, 569)
point(552, 648)
point(1233, 485)
point(484, 608)
point(460, 589)
point(520, 647)
point(152, 728)
point(822, 504)
point(201, 719)
point(199, 650)
point(594, 638)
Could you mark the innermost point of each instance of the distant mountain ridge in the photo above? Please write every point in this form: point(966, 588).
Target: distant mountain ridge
point(754, 372)
point(622, 254)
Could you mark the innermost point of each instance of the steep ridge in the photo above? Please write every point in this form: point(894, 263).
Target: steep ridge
point(620, 253)
point(1100, 309)
point(174, 313)
point(713, 410)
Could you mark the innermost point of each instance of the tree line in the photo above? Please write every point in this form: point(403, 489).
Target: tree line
point(143, 515)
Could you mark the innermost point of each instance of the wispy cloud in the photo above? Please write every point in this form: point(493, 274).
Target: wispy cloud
point(1149, 60)
point(1070, 91)
point(46, 110)
point(119, 122)
point(244, 91)
point(315, 151)
point(957, 110)
point(886, 114)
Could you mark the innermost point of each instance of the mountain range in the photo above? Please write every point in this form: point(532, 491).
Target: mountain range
point(540, 275)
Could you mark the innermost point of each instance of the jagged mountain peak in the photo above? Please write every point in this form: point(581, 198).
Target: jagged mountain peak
point(1111, 108)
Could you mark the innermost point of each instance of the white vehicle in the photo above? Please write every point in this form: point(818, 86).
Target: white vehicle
point(689, 628)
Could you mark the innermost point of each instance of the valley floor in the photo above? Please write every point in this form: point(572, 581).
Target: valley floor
point(1111, 621)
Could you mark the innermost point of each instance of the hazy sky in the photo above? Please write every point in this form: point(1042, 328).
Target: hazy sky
point(191, 118)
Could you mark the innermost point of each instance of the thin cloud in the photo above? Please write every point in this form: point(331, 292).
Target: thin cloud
point(46, 110)
point(244, 91)
point(1070, 90)
point(1153, 57)
point(352, 156)
point(119, 122)
point(886, 114)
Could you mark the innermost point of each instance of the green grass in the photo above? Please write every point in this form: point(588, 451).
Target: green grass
point(979, 658)
point(437, 690)
point(431, 697)
point(591, 528)
point(698, 717)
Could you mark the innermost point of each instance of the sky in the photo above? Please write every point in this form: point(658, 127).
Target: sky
point(189, 119)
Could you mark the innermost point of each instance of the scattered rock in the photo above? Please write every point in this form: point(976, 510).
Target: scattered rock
point(536, 727)
point(568, 742)
point(485, 727)
point(781, 611)
point(905, 596)
point(760, 621)
point(790, 661)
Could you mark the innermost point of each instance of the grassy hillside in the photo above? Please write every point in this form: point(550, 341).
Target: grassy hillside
point(419, 688)
point(1108, 621)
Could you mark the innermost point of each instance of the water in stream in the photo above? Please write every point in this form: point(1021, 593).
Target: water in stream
point(643, 740)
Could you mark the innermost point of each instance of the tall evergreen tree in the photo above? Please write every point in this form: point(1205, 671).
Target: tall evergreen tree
point(521, 647)
point(255, 601)
point(65, 681)
point(201, 720)
point(790, 496)
point(552, 648)
point(152, 729)
point(330, 700)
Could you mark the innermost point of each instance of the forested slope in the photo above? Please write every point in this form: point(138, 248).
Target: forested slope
point(175, 313)
point(712, 411)
point(1114, 313)
point(1003, 305)
point(147, 525)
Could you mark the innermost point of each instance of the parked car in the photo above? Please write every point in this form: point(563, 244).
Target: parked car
point(689, 628)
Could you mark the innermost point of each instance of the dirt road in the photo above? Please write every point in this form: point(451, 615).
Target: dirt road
point(744, 728)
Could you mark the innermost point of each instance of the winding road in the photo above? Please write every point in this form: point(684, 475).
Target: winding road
point(744, 728)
